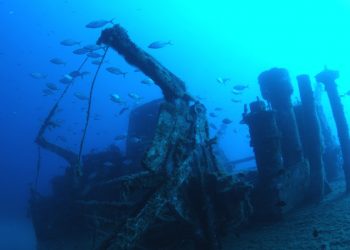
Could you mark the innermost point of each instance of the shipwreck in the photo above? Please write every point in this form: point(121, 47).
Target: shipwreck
point(175, 194)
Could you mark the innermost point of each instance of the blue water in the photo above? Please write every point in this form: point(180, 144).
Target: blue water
point(211, 39)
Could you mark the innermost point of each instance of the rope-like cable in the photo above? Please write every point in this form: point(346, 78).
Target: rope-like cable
point(38, 168)
point(55, 106)
point(78, 166)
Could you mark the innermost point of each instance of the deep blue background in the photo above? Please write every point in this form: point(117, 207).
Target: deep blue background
point(210, 39)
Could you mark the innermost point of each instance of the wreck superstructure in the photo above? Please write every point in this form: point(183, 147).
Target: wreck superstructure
point(173, 194)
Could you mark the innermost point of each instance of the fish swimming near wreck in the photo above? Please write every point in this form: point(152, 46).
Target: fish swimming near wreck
point(159, 44)
point(69, 42)
point(58, 61)
point(37, 75)
point(116, 71)
point(98, 24)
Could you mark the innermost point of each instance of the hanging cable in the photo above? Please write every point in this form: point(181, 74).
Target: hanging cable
point(78, 166)
point(38, 168)
point(46, 123)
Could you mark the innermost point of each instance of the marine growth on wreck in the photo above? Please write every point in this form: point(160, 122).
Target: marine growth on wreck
point(177, 174)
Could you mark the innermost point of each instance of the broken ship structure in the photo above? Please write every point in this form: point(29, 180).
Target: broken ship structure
point(175, 194)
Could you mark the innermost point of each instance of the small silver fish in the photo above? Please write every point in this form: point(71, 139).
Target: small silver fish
point(134, 96)
point(98, 24)
point(66, 79)
point(147, 81)
point(116, 71)
point(94, 55)
point(58, 61)
point(37, 75)
point(159, 44)
point(69, 42)
point(108, 164)
point(212, 114)
point(223, 80)
point(236, 92)
point(116, 98)
point(81, 51)
point(52, 86)
point(135, 139)
point(236, 100)
point(120, 137)
point(81, 96)
point(96, 62)
point(92, 47)
point(240, 87)
point(48, 92)
point(226, 121)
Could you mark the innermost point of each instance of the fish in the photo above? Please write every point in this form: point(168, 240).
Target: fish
point(212, 114)
point(66, 79)
point(315, 233)
point(108, 164)
point(98, 24)
point(223, 80)
point(94, 55)
point(61, 138)
point(218, 109)
point(47, 92)
point(280, 203)
point(96, 62)
point(52, 86)
point(135, 140)
point(81, 51)
point(92, 47)
point(236, 92)
point(116, 98)
point(213, 126)
point(116, 71)
point(81, 96)
point(240, 87)
point(37, 75)
point(134, 96)
point(226, 121)
point(58, 61)
point(236, 100)
point(159, 44)
point(76, 73)
point(127, 162)
point(69, 42)
point(120, 137)
point(147, 81)
point(123, 110)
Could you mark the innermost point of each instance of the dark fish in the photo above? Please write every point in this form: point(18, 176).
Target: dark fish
point(115, 71)
point(226, 121)
point(159, 44)
point(213, 126)
point(120, 137)
point(280, 204)
point(212, 114)
point(94, 55)
point(98, 24)
point(240, 87)
point(315, 233)
point(92, 47)
point(69, 42)
point(58, 61)
point(37, 75)
point(123, 110)
point(82, 51)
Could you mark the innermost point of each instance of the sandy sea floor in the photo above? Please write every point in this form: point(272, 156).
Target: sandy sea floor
point(330, 218)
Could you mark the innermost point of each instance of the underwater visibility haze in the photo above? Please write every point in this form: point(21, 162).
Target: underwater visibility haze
point(218, 49)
